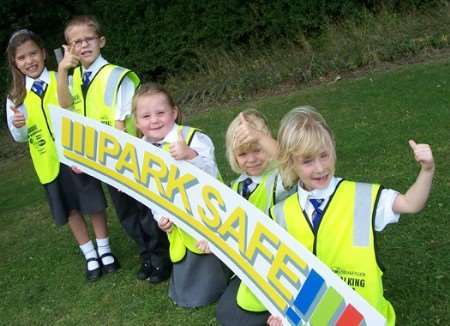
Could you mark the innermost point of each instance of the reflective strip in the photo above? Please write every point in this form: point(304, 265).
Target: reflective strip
point(111, 85)
point(362, 214)
point(269, 191)
point(280, 218)
point(187, 133)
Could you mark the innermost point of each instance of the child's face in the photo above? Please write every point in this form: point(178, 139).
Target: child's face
point(87, 44)
point(155, 116)
point(30, 59)
point(315, 172)
point(252, 161)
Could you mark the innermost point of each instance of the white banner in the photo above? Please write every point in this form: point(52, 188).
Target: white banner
point(288, 279)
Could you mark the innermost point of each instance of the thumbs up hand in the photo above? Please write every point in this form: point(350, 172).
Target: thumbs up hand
point(18, 118)
point(423, 155)
point(180, 150)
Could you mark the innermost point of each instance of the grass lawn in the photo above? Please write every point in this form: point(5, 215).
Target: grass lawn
point(42, 273)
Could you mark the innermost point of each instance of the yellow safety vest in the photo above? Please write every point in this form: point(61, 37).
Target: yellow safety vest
point(180, 240)
point(40, 136)
point(344, 240)
point(263, 197)
point(99, 100)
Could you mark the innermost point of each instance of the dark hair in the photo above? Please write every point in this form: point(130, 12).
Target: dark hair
point(17, 89)
point(88, 20)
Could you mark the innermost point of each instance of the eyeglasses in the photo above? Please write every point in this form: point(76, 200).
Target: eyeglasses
point(88, 40)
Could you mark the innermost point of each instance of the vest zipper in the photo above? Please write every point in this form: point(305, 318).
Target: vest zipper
point(45, 115)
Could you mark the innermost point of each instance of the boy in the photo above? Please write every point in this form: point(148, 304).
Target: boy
point(333, 217)
point(102, 91)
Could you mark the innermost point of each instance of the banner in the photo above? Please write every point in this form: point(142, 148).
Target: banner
point(288, 279)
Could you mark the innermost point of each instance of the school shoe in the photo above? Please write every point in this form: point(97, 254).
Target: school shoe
point(94, 274)
point(110, 268)
point(160, 274)
point(145, 271)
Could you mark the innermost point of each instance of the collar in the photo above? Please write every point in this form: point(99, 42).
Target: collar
point(255, 178)
point(95, 66)
point(325, 193)
point(44, 76)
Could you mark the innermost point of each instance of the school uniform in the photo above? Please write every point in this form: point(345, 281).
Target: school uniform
point(197, 279)
point(55, 177)
point(97, 100)
point(238, 305)
point(350, 212)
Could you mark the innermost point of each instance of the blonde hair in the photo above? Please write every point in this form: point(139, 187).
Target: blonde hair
point(17, 90)
point(88, 20)
point(303, 131)
point(257, 121)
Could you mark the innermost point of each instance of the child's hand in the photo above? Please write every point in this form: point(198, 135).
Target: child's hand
point(203, 246)
point(246, 133)
point(423, 155)
point(18, 118)
point(76, 170)
point(165, 224)
point(70, 59)
point(180, 150)
point(274, 321)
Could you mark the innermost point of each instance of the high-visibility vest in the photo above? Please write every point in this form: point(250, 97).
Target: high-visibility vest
point(99, 100)
point(344, 240)
point(179, 240)
point(263, 197)
point(40, 135)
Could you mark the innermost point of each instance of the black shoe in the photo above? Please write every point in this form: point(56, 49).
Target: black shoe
point(145, 271)
point(110, 268)
point(93, 275)
point(160, 274)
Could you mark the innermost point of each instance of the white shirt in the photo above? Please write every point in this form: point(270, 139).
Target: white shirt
point(384, 214)
point(124, 94)
point(205, 160)
point(21, 134)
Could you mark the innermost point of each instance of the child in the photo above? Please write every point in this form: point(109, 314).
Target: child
point(104, 92)
point(333, 217)
point(197, 279)
point(251, 151)
point(33, 89)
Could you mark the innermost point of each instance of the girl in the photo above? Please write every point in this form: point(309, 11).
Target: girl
point(197, 279)
point(32, 90)
point(251, 151)
point(337, 217)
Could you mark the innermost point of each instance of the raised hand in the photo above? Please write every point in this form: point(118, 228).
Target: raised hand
point(245, 133)
point(274, 321)
point(180, 150)
point(70, 59)
point(18, 118)
point(423, 155)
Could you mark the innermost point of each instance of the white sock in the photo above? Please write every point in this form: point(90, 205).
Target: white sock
point(89, 251)
point(104, 248)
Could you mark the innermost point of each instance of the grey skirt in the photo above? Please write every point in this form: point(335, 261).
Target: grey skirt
point(198, 280)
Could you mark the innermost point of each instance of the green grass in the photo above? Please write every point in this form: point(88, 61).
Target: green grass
point(42, 280)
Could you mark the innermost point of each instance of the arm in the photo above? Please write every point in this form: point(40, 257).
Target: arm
point(124, 101)
point(415, 198)
point(70, 60)
point(15, 117)
point(247, 134)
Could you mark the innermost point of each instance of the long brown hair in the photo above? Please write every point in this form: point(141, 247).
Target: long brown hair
point(17, 89)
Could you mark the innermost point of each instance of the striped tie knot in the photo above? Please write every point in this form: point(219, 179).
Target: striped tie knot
point(317, 214)
point(246, 187)
point(86, 80)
